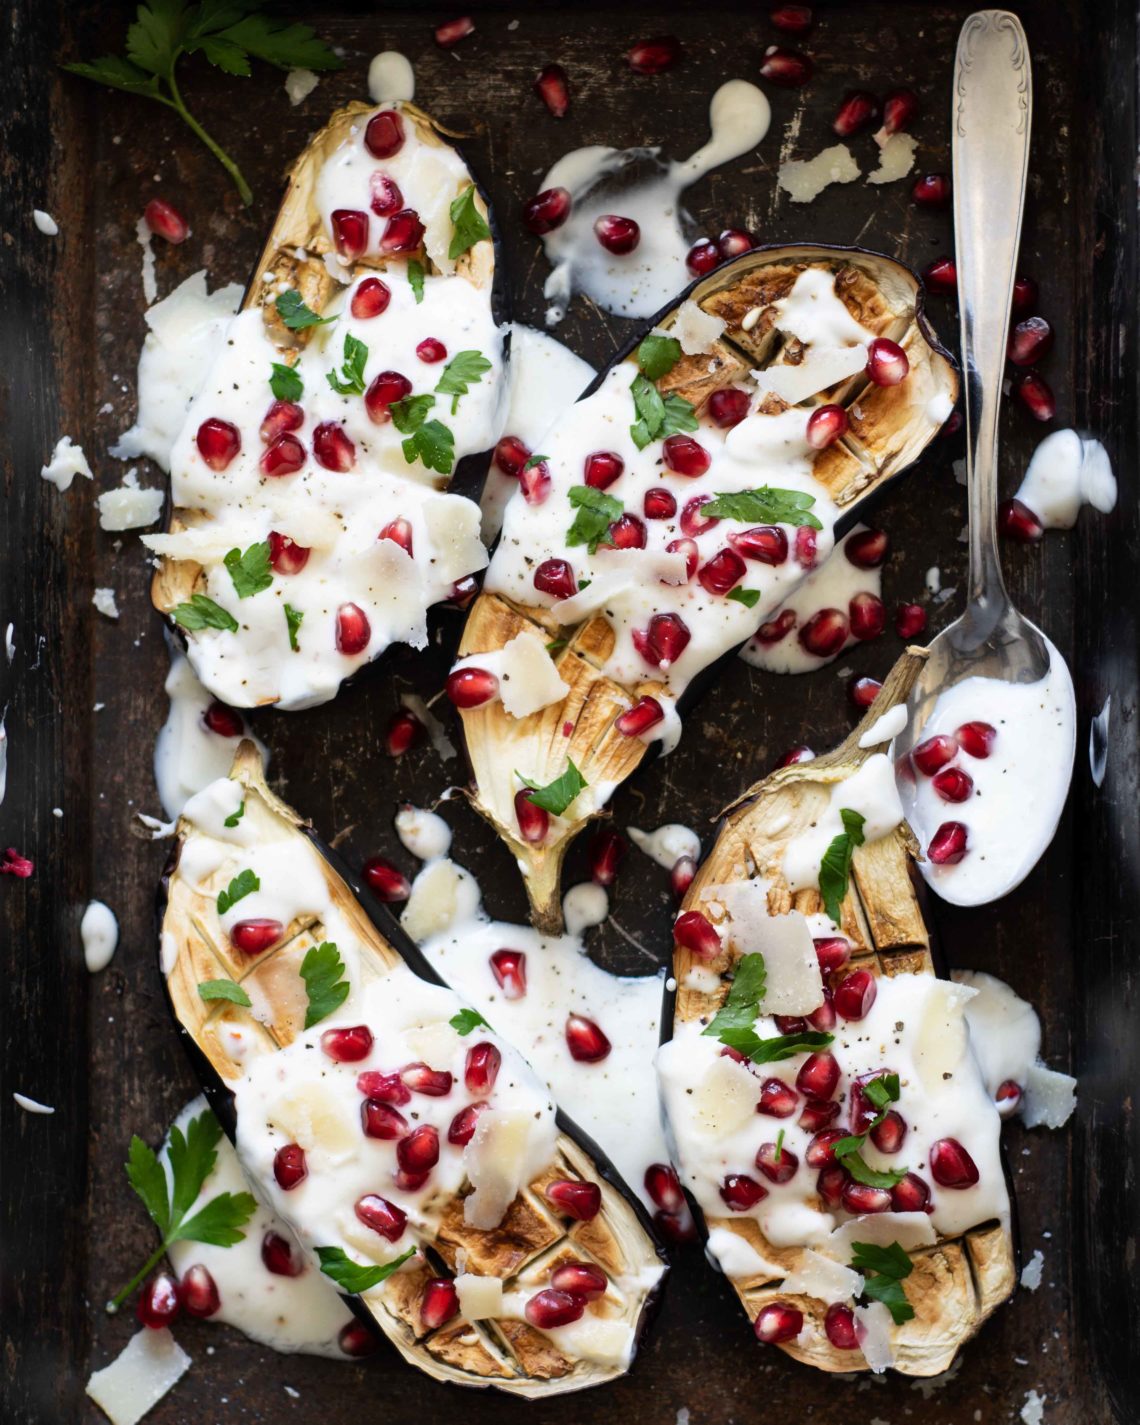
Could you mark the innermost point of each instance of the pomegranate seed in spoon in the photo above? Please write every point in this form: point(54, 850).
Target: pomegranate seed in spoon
point(453, 31)
point(948, 844)
point(617, 234)
point(935, 752)
point(654, 56)
point(547, 210)
point(553, 88)
point(786, 67)
point(1029, 341)
point(165, 221)
point(977, 739)
point(952, 784)
point(777, 1322)
point(1036, 395)
point(932, 190)
point(857, 110)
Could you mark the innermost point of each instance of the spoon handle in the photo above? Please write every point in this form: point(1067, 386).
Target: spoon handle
point(991, 115)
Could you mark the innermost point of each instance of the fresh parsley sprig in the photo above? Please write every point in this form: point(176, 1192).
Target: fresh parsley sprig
point(468, 226)
point(350, 381)
point(884, 1269)
point(430, 442)
point(835, 868)
point(880, 1093)
point(467, 1020)
point(202, 612)
point(742, 1007)
point(322, 970)
point(780, 1046)
point(768, 504)
point(285, 382)
point(657, 355)
point(465, 369)
point(223, 989)
point(250, 571)
point(243, 884)
point(658, 418)
point(748, 597)
point(416, 275)
point(596, 511)
point(350, 1276)
point(556, 796)
point(296, 314)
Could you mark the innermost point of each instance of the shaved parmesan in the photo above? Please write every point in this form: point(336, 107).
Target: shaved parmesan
point(314, 1117)
point(299, 84)
point(794, 984)
point(453, 527)
point(508, 1148)
point(528, 677)
point(908, 1229)
point(822, 1278)
point(1049, 1099)
point(725, 1099)
point(821, 368)
point(873, 1327)
point(67, 461)
point(896, 159)
point(480, 1298)
point(150, 1365)
point(805, 178)
point(942, 1038)
point(128, 506)
point(695, 329)
point(607, 1340)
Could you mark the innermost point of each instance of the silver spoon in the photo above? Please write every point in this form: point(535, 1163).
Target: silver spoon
point(991, 113)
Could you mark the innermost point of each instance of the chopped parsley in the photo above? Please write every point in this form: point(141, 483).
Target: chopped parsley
point(223, 989)
point(243, 884)
point(350, 382)
point(835, 868)
point(467, 223)
point(465, 369)
point(235, 817)
point(748, 597)
point(596, 511)
point(322, 970)
point(766, 505)
point(285, 382)
point(781, 1046)
point(350, 1276)
point(294, 618)
point(416, 279)
point(556, 796)
point(884, 1269)
point(202, 612)
point(658, 354)
point(250, 571)
point(295, 314)
point(657, 418)
point(741, 1008)
point(428, 441)
point(880, 1092)
point(467, 1020)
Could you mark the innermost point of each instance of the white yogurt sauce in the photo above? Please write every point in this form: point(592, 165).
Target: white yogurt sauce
point(424, 833)
point(639, 283)
point(1066, 472)
point(1019, 790)
point(871, 792)
point(99, 931)
point(391, 77)
point(667, 844)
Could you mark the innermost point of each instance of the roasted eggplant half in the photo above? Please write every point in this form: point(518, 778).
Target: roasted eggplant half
point(414, 1154)
point(826, 1111)
point(311, 524)
point(702, 476)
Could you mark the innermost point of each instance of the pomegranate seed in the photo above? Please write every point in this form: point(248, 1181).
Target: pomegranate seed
point(223, 720)
point(867, 549)
point(384, 389)
point(386, 200)
point(793, 19)
point(948, 844)
point(702, 258)
point(628, 532)
point(888, 1134)
point(932, 190)
point(830, 1184)
point(350, 232)
point(382, 1216)
point(854, 997)
point(772, 632)
point(549, 1308)
point(607, 851)
point(832, 952)
point(535, 483)
point(289, 1166)
point(384, 135)
point(952, 424)
point(663, 1186)
point(602, 468)
point(1025, 296)
point(722, 572)
point(576, 1199)
point(777, 1322)
point(403, 232)
point(403, 732)
point(777, 1169)
point(824, 1017)
point(952, 784)
point(534, 821)
point(819, 1076)
point(825, 633)
point(977, 739)
point(463, 591)
point(419, 1151)
point(453, 31)
point(664, 641)
point(868, 615)
point(353, 631)
point(693, 523)
point(387, 880)
point(727, 408)
point(733, 242)
point(821, 1150)
point(384, 1088)
point(697, 934)
point(900, 109)
point(741, 1193)
point(200, 1296)
point(462, 1128)
point(332, 447)
point(1017, 521)
point(585, 1040)
point(951, 1165)
point(825, 425)
point(439, 1303)
point(547, 210)
point(789, 1023)
point(553, 88)
point(935, 752)
point(910, 1194)
point(864, 691)
point(471, 687)
point(637, 720)
point(941, 277)
point(278, 1257)
point(1008, 1096)
point(284, 457)
point(357, 1340)
point(807, 547)
point(681, 876)
point(655, 55)
point(1029, 341)
point(862, 1110)
point(281, 417)
point(617, 234)
point(685, 456)
point(887, 362)
point(430, 350)
point(409, 1182)
point(910, 620)
point(839, 1326)
point(399, 531)
point(816, 1116)
point(1036, 395)
point(767, 544)
point(860, 1199)
point(165, 221)
point(218, 442)
point(347, 1046)
point(381, 1120)
point(422, 1078)
point(481, 1068)
point(160, 1302)
point(254, 936)
point(777, 1099)
point(786, 67)
point(285, 555)
point(676, 1227)
point(580, 1279)
point(509, 970)
point(556, 578)
point(857, 111)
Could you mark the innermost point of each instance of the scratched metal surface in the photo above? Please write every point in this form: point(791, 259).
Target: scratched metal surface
point(104, 1051)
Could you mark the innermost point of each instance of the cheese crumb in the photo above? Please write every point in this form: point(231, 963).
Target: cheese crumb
point(1033, 1411)
point(299, 84)
point(45, 222)
point(150, 1365)
point(32, 1105)
point(67, 461)
point(104, 601)
point(129, 506)
point(895, 160)
point(804, 179)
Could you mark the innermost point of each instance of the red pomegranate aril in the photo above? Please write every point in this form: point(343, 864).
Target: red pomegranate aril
point(855, 995)
point(951, 1165)
point(430, 350)
point(534, 482)
point(553, 88)
point(861, 1111)
point(289, 1167)
point(935, 752)
point(357, 1340)
point(910, 1194)
point(1029, 341)
point(548, 1308)
point(381, 1120)
point(952, 784)
point(807, 547)
point(825, 633)
point(628, 532)
point(867, 549)
point(165, 221)
point(832, 952)
point(900, 109)
point(830, 1184)
point(839, 1327)
point(1036, 395)
point(463, 591)
point(253, 936)
point(223, 720)
point(887, 362)
point(281, 416)
point(452, 31)
point(702, 258)
point(284, 456)
point(685, 456)
point(353, 630)
point(384, 135)
point(481, 1068)
point(385, 1088)
point(777, 1322)
point(386, 388)
point(350, 232)
point(586, 1040)
point(382, 1216)
point(857, 110)
point(509, 970)
point(386, 199)
point(160, 1301)
point(767, 544)
point(1016, 520)
point(286, 556)
point(786, 67)
point(722, 572)
point(349, 1045)
point(637, 720)
point(332, 447)
point(462, 1128)
point(941, 277)
point(789, 1023)
point(888, 1134)
point(556, 578)
point(821, 1150)
point(278, 1257)
point(666, 639)
point(422, 1078)
point(617, 234)
point(733, 242)
point(608, 850)
point(580, 1279)
point(386, 880)
point(547, 210)
point(199, 1290)
point(726, 408)
point(948, 844)
point(1025, 296)
point(471, 687)
point(740, 1193)
point(676, 1227)
point(403, 732)
point(910, 620)
point(777, 1099)
point(218, 442)
point(602, 468)
point(1008, 1097)
point(419, 1151)
point(439, 1303)
point(868, 616)
point(576, 1199)
point(864, 691)
point(659, 504)
point(778, 1165)
point(824, 1017)
point(977, 739)
point(819, 1076)
point(408, 1181)
point(932, 190)
point(774, 631)
point(860, 1199)
point(825, 425)
point(655, 55)
point(403, 232)
point(681, 876)
point(694, 932)
point(663, 1186)
point(399, 531)
point(816, 1116)
point(793, 19)
point(534, 821)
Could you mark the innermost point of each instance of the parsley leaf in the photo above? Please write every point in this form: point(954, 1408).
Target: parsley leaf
point(467, 222)
point(223, 989)
point(535, 460)
point(433, 444)
point(285, 382)
point(884, 1269)
point(862, 1171)
point(835, 868)
point(556, 796)
point(322, 970)
point(294, 618)
point(410, 413)
point(295, 314)
point(748, 597)
point(465, 369)
point(658, 354)
point(350, 1276)
point(467, 1020)
point(350, 382)
point(416, 279)
point(880, 1092)
point(766, 505)
point(596, 512)
point(243, 884)
point(740, 1009)
point(779, 1145)
point(235, 817)
point(145, 1175)
point(781, 1046)
point(249, 571)
point(202, 612)
point(658, 418)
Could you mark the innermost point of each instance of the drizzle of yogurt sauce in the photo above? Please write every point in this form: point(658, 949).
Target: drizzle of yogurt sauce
point(391, 77)
point(1019, 790)
point(667, 844)
point(1065, 472)
point(99, 931)
point(639, 283)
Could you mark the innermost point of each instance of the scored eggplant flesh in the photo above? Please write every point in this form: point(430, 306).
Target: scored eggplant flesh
point(889, 427)
point(959, 1278)
point(235, 1048)
point(383, 535)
